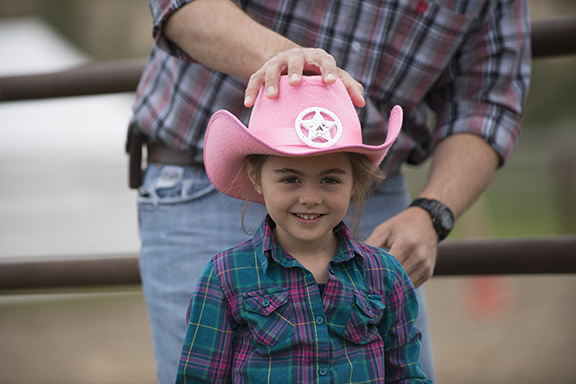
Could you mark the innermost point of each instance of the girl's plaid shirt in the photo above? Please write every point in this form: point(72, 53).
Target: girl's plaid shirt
point(258, 316)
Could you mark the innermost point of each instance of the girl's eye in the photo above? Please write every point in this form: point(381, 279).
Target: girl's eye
point(290, 180)
point(330, 180)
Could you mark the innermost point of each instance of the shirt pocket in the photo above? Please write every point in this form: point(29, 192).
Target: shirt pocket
point(269, 315)
point(367, 311)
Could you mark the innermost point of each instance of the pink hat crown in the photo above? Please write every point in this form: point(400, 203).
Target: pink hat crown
point(304, 120)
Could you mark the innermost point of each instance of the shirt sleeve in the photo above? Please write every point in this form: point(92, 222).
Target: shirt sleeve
point(207, 352)
point(161, 10)
point(484, 90)
point(401, 338)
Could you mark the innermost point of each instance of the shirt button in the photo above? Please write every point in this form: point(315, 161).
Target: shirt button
point(323, 371)
point(319, 320)
point(265, 302)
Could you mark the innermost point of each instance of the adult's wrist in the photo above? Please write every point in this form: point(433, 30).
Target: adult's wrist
point(441, 215)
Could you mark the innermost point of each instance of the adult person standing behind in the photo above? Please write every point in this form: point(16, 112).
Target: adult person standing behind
point(467, 61)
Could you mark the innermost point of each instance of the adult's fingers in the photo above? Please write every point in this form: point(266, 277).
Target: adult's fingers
point(355, 89)
point(417, 257)
point(295, 63)
point(410, 238)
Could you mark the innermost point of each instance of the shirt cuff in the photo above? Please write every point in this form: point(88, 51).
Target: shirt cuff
point(160, 38)
point(498, 126)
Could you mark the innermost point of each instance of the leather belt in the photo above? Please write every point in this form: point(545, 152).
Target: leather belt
point(160, 154)
point(157, 153)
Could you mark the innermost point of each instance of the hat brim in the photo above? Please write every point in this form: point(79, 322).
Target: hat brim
point(228, 141)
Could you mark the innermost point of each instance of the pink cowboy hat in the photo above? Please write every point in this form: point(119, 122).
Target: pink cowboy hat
point(305, 120)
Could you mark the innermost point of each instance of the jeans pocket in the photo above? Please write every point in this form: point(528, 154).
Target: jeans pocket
point(268, 315)
point(367, 311)
point(173, 185)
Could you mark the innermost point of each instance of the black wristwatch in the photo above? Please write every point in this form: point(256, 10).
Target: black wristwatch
point(442, 216)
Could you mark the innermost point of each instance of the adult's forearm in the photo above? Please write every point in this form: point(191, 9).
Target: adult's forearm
point(462, 168)
point(218, 34)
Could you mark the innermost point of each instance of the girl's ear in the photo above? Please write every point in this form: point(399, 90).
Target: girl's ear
point(254, 179)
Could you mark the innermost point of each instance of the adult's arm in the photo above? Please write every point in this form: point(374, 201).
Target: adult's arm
point(221, 36)
point(478, 117)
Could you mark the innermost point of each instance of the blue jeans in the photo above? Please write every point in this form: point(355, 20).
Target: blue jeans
point(184, 221)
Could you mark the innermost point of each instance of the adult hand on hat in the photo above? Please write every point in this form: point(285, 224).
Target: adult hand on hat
point(297, 62)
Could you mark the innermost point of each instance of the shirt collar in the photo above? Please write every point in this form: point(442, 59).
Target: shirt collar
point(348, 248)
point(269, 251)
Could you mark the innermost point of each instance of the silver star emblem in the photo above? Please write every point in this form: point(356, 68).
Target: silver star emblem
point(319, 128)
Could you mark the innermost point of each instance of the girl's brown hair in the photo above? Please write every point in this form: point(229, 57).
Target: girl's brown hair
point(365, 178)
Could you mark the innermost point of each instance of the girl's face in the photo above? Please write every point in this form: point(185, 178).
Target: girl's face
point(306, 197)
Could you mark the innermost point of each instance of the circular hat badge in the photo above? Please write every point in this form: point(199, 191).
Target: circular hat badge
point(318, 127)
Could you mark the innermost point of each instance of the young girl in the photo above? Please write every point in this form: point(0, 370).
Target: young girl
point(301, 301)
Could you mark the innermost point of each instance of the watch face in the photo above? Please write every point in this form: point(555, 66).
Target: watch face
point(442, 217)
point(446, 219)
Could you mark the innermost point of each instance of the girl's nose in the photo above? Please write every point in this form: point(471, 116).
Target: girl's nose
point(310, 196)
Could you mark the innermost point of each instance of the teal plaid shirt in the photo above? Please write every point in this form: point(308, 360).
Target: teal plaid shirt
point(258, 316)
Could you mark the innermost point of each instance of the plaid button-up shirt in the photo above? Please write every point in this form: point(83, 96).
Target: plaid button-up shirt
point(257, 316)
point(466, 60)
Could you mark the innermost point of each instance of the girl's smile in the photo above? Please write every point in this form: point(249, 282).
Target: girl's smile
point(306, 197)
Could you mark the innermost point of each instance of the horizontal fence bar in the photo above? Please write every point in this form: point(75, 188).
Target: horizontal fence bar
point(98, 78)
point(551, 255)
point(553, 37)
point(83, 271)
point(540, 255)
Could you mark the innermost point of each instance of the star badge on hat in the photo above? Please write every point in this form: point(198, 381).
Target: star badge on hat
point(318, 127)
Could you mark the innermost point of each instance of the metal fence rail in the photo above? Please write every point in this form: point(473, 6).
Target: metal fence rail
point(98, 78)
point(553, 37)
point(548, 255)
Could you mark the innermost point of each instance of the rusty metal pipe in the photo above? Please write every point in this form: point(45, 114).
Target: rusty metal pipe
point(98, 78)
point(507, 256)
point(554, 37)
point(108, 270)
point(552, 255)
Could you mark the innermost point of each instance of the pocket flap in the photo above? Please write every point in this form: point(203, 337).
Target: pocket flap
point(365, 316)
point(265, 302)
point(370, 304)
